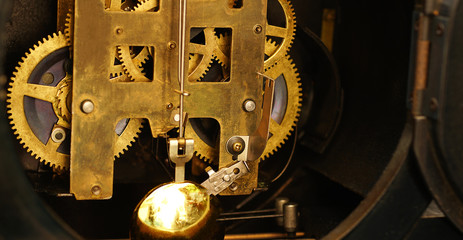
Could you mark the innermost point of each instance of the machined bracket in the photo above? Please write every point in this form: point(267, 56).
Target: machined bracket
point(225, 177)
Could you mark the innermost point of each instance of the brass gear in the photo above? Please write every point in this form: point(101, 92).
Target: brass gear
point(132, 64)
point(33, 82)
point(200, 57)
point(274, 51)
point(279, 130)
point(286, 34)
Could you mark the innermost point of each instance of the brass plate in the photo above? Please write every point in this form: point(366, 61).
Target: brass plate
point(98, 32)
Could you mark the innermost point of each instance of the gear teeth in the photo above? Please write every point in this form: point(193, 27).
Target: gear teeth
point(208, 68)
point(69, 27)
point(146, 5)
point(131, 142)
point(124, 67)
point(203, 158)
point(15, 107)
point(288, 40)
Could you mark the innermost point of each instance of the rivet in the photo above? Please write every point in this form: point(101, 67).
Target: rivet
point(87, 106)
point(249, 105)
point(58, 135)
point(226, 178)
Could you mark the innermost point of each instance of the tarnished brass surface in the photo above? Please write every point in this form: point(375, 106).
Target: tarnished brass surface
point(96, 34)
point(284, 67)
point(280, 131)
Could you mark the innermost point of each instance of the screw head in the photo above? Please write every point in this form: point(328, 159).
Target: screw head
point(96, 190)
point(170, 106)
point(237, 147)
point(48, 78)
point(87, 106)
point(172, 45)
point(58, 135)
point(258, 29)
point(249, 105)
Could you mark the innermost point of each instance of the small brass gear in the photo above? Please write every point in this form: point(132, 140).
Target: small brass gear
point(200, 57)
point(285, 112)
point(39, 103)
point(274, 51)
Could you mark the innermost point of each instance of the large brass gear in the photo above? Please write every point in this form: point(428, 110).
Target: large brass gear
point(285, 34)
point(200, 57)
point(42, 78)
point(274, 51)
point(282, 122)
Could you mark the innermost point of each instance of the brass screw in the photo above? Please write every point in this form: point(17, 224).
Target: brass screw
point(258, 29)
point(237, 147)
point(172, 45)
point(170, 106)
point(96, 190)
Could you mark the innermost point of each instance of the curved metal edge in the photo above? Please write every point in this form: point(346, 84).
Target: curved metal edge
point(23, 214)
point(315, 142)
point(429, 162)
point(394, 204)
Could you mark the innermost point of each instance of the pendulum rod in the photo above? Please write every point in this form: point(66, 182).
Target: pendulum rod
point(181, 60)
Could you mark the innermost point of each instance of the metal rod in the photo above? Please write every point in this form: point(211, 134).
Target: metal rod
point(249, 217)
point(248, 212)
point(181, 60)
